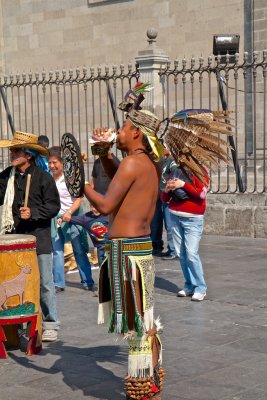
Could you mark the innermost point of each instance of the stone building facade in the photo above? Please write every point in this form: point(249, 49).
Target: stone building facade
point(50, 34)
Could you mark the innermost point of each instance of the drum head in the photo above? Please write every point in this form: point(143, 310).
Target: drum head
point(72, 165)
point(16, 239)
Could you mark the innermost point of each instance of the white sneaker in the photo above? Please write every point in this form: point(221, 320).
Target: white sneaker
point(184, 293)
point(49, 335)
point(198, 296)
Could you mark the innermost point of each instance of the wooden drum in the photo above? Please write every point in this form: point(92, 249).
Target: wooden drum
point(19, 282)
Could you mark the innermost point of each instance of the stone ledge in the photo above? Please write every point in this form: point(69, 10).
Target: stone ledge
point(239, 199)
point(243, 215)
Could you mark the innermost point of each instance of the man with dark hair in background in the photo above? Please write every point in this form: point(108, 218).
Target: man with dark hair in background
point(40, 160)
point(43, 140)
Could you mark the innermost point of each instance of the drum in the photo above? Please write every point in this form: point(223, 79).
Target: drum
point(19, 282)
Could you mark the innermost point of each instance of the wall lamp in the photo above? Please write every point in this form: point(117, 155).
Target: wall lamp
point(226, 44)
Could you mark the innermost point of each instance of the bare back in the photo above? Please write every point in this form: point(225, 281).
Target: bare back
point(133, 215)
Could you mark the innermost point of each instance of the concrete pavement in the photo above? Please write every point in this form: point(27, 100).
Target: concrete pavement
point(213, 350)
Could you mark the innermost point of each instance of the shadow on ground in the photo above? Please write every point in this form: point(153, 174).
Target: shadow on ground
point(81, 370)
point(166, 285)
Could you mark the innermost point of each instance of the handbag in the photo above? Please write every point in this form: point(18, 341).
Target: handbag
point(179, 194)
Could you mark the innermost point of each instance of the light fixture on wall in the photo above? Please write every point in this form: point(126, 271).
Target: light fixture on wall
point(226, 44)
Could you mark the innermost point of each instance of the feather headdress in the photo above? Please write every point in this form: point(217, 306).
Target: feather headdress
point(135, 95)
point(192, 138)
point(143, 119)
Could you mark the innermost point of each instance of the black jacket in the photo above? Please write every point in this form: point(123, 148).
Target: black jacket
point(43, 201)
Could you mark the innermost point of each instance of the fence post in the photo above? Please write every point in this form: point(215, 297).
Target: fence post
point(150, 61)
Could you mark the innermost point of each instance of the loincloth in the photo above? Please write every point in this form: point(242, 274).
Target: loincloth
point(126, 260)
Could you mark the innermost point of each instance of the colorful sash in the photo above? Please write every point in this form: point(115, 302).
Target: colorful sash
point(123, 257)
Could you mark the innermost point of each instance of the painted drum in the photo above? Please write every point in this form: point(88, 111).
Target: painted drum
point(72, 165)
point(19, 278)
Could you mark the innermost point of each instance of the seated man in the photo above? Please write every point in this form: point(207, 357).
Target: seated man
point(96, 227)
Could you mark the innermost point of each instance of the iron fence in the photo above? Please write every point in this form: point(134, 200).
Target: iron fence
point(73, 101)
point(76, 101)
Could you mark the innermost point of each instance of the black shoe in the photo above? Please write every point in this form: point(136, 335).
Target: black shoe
point(165, 254)
point(169, 257)
point(59, 289)
point(92, 288)
point(157, 253)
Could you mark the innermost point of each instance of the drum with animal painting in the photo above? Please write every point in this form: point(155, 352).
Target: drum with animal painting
point(19, 284)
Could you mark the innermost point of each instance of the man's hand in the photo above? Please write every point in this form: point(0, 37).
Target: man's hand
point(104, 138)
point(66, 217)
point(101, 149)
point(176, 183)
point(167, 187)
point(84, 157)
point(25, 213)
point(103, 135)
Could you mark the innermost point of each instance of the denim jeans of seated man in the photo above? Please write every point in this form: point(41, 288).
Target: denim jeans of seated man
point(47, 292)
point(80, 256)
point(100, 254)
point(187, 233)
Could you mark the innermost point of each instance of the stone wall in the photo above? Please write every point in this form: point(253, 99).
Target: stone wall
point(236, 215)
point(2, 50)
point(260, 25)
point(65, 33)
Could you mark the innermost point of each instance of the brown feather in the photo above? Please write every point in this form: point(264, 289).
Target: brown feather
point(220, 130)
point(194, 167)
point(200, 158)
point(224, 158)
point(208, 138)
point(208, 156)
point(222, 123)
point(214, 148)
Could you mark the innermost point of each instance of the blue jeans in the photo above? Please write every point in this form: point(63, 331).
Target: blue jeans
point(80, 256)
point(47, 292)
point(168, 226)
point(100, 254)
point(187, 233)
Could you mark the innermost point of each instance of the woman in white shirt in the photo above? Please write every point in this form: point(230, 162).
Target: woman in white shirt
point(63, 231)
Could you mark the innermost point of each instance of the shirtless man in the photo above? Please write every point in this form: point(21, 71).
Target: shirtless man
point(132, 196)
point(130, 200)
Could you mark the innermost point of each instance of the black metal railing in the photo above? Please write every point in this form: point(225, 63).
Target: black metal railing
point(73, 101)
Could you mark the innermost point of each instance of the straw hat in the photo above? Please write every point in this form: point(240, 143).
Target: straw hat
point(24, 140)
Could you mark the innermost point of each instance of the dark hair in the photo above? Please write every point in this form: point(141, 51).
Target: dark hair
point(43, 141)
point(55, 151)
point(146, 143)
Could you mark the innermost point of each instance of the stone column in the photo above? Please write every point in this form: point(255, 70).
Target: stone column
point(150, 60)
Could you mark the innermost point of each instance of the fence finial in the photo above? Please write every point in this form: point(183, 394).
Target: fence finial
point(152, 34)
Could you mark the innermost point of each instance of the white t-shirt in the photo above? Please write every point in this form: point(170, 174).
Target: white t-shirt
point(66, 200)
